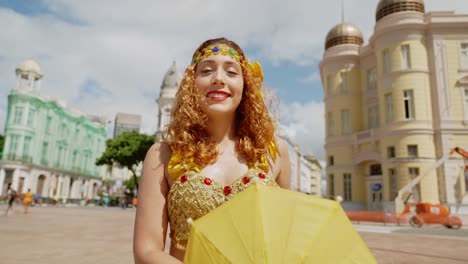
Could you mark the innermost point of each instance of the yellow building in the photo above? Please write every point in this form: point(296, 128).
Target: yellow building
point(396, 106)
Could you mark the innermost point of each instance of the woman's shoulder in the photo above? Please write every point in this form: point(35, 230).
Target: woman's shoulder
point(281, 145)
point(159, 152)
point(282, 165)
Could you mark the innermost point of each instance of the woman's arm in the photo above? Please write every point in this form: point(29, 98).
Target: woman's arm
point(151, 216)
point(284, 165)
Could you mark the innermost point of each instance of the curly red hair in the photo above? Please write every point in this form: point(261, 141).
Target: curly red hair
point(187, 134)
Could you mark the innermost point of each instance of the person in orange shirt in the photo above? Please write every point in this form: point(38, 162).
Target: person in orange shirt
point(27, 200)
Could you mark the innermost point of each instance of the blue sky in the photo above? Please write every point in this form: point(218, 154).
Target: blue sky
point(105, 57)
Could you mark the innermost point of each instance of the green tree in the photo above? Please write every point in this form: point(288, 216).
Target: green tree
point(126, 150)
point(130, 183)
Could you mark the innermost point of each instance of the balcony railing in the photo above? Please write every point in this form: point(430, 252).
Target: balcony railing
point(26, 158)
point(363, 135)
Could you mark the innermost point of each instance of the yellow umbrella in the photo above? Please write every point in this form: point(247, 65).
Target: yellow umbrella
point(271, 225)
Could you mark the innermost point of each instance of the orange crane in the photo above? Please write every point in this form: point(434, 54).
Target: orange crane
point(425, 212)
point(462, 153)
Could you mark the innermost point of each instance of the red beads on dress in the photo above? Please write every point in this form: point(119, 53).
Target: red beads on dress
point(227, 190)
point(262, 175)
point(183, 179)
point(207, 181)
point(245, 180)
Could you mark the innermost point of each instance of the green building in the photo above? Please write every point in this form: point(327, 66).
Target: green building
point(49, 148)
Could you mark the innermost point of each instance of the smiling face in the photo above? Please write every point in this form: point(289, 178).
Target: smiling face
point(220, 81)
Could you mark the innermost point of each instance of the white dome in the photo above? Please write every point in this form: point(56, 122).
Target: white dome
point(29, 66)
point(172, 78)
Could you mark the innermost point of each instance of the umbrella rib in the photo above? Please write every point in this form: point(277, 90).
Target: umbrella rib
point(316, 235)
point(209, 252)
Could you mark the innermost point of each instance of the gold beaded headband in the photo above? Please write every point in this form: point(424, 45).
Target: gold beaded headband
point(220, 49)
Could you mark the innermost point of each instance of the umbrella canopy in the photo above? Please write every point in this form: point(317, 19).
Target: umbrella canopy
point(271, 225)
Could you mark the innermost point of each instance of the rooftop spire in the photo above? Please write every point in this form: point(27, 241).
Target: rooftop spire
point(342, 11)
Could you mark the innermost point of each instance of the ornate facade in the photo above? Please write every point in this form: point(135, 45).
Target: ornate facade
point(166, 100)
point(396, 106)
point(48, 148)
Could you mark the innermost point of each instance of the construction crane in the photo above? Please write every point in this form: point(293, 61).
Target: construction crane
point(462, 153)
point(399, 202)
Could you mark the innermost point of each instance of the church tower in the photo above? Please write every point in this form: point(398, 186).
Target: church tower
point(28, 76)
point(166, 100)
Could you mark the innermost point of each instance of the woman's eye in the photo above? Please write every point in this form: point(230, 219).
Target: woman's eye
point(232, 72)
point(206, 70)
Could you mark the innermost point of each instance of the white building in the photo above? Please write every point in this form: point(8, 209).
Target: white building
point(166, 100)
point(306, 171)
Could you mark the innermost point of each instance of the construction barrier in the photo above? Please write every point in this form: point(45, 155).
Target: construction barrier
point(378, 217)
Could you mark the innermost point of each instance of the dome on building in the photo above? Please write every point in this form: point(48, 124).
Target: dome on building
point(172, 78)
point(29, 66)
point(387, 7)
point(344, 33)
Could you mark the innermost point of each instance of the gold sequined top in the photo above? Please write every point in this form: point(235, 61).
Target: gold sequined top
point(192, 196)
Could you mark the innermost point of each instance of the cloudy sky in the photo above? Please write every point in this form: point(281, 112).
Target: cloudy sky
point(110, 56)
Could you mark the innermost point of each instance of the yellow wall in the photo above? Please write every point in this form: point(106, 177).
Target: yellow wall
point(452, 48)
point(401, 142)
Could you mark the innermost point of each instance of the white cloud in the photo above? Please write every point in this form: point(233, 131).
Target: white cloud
point(304, 124)
point(126, 47)
point(312, 78)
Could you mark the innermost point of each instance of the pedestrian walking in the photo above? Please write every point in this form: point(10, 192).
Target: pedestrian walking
point(27, 200)
point(11, 196)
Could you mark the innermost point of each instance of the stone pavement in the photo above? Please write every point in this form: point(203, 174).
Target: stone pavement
point(57, 235)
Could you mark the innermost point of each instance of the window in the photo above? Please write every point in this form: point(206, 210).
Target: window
point(373, 117)
point(413, 151)
point(332, 185)
point(26, 146)
point(386, 61)
point(14, 144)
point(389, 108)
point(18, 117)
point(65, 156)
point(413, 173)
point(331, 160)
point(48, 124)
point(63, 130)
point(331, 124)
point(74, 156)
point(466, 180)
point(59, 156)
point(375, 169)
point(464, 56)
point(86, 162)
point(405, 57)
point(391, 152)
point(393, 183)
point(345, 127)
point(45, 150)
point(31, 117)
point(409, 104)
point(347, 186)
point(344, 83)
point(371, 79)
point(465, 102)
point(329, 85)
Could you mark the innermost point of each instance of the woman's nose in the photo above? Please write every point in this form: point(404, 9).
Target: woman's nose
point(218, 78)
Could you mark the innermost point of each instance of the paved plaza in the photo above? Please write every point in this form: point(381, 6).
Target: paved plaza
point(104, 235)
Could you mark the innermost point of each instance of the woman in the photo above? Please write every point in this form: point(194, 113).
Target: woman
point(220, 140)
point(27, 200)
